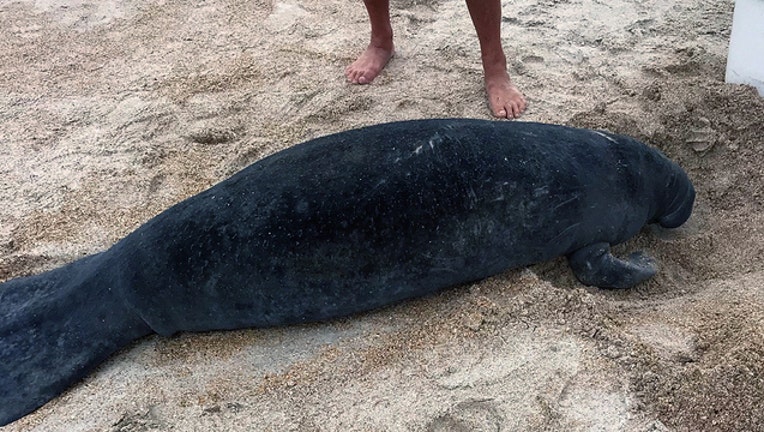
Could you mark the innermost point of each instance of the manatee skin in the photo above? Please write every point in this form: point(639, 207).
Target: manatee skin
point(343, 224)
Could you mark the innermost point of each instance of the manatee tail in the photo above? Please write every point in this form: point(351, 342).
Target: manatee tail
point(55, 328)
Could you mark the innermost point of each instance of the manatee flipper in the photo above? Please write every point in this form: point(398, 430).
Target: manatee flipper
point(595, 265)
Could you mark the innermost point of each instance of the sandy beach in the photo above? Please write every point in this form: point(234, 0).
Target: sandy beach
point(112, 111)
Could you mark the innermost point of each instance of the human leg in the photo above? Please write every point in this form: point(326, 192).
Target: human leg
point(371, 62)
point(504, 99)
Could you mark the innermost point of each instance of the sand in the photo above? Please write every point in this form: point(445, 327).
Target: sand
point(111, 111)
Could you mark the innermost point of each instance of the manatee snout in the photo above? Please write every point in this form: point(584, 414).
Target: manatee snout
point(681, 207)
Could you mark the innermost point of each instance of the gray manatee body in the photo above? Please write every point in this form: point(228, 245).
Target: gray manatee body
point(343, 224)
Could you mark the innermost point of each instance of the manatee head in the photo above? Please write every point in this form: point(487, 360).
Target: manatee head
point(667, 188)
point(675, 197)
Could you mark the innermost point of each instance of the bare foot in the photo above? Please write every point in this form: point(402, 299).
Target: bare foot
point(369, 64)
point(504, 98)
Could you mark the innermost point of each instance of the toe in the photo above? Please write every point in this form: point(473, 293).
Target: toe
point(353, 76)
point(515, 110)
point(500, 113)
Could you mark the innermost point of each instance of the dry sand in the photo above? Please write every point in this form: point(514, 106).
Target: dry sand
point(110, 111)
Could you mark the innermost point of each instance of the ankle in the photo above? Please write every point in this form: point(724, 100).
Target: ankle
point(496, 76)
point(382, 41)
point(494, 64)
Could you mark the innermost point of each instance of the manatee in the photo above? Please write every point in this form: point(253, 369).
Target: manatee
point(339, 225)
